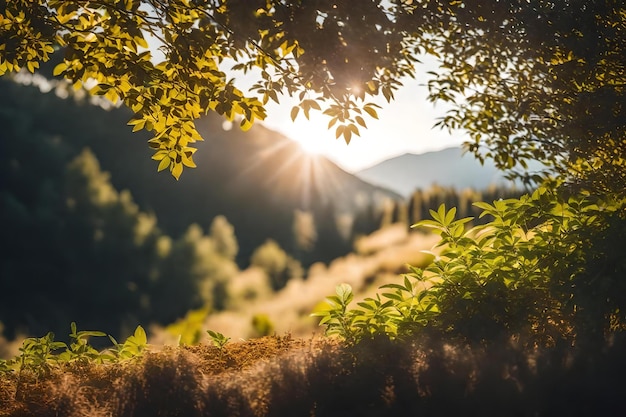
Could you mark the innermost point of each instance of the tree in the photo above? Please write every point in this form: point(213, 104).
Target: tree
point(275, 262)
point(528, 80)
point(223, 235)
point(538, 80)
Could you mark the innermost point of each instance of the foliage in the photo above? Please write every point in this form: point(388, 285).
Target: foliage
point(200, 272)
point(95, 247)
point(218, 339)
point(530, 80)
point(335, 314)
point(304, 230)
point(37, 354)
point(223, 235)
point(132, 347)
point(422, 201)
point(262, 325)
point(538, 80)
point(546, 269)
point(527, 80)
point(40, 355)
point(79, 349)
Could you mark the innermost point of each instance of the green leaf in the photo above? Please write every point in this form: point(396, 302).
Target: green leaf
point(450, 216)
point(90, 333)
point(393, 296)
point(344, 291)
point(441, 214)
point(140, 336)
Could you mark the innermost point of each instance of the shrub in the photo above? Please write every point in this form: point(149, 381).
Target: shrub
point(547, 269)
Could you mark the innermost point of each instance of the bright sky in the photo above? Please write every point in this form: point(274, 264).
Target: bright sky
point(404, 126)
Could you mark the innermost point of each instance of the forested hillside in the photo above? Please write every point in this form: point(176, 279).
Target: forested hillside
point(258, 179)
point(96, 236)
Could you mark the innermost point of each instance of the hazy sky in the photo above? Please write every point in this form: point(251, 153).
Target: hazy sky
point(404, 125)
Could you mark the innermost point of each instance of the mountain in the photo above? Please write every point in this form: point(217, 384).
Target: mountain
point(448, 167)
point(257, 179)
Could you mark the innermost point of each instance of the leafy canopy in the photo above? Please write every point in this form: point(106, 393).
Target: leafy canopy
point(528, 80)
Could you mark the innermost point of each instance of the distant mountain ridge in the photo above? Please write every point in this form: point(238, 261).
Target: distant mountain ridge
point(448, 167)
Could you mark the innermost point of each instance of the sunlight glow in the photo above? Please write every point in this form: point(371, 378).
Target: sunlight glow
point(296, 170)
point(355, 89)
point(311, 145)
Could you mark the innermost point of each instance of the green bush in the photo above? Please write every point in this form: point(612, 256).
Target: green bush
point(547, 269)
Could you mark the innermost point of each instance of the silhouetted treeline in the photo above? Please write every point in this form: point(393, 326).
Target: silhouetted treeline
point(419, 204)
point(76, 249)
point(421, 201)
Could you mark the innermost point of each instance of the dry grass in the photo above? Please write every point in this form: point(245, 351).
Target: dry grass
point(283, 376)
point(164, 373)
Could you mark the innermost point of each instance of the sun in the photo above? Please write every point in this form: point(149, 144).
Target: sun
point(311, 146)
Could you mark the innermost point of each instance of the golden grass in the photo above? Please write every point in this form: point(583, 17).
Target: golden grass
point(164, 372)
point(285, 376)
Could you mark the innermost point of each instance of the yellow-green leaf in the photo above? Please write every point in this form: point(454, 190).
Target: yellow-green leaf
point(159, 155)
point(141, 41)
point(138, 126)
point(165, 162)
point(245, 124)
point(58, 70)
point(177, 170)
point(140, 336)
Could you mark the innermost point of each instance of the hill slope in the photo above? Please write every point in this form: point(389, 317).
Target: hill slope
point(257, 179)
